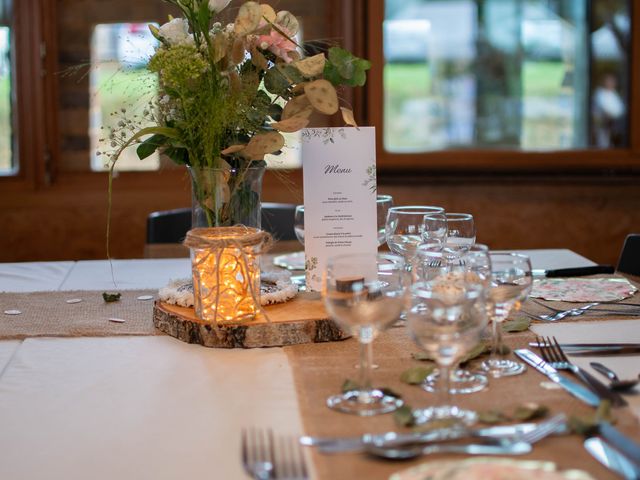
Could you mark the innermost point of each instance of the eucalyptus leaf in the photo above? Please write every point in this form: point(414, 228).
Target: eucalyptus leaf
point(389, 392)
point(492, 417)
point(403, 416)
point(349, 385)
point(416, 375)
point(530, 411)
point(150, 145)
point(516, 325)
point(422, 357)
point(480, 349)
point(438, 424)
point(588, 424)
point(110, 297)
point(275, 82)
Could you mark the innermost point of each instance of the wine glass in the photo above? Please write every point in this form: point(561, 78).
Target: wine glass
point(403, 230)
point(475, 265)
point(511, 282)
point(364, 293)
point(383, 204)
point(457, 230)
point(446, 318)
point(298, 223)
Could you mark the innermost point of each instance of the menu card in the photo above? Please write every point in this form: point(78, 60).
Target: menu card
point(339, 166)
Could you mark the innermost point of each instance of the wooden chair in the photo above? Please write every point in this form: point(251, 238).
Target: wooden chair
point(166, 229)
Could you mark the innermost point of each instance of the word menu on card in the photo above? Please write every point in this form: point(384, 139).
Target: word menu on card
point(339, 168)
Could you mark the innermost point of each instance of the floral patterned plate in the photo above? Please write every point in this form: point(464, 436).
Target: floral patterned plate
point(583, 289)
point(483, 468)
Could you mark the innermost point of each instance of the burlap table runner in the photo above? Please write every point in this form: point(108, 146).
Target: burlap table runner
point(320, 369)
point(48, 314)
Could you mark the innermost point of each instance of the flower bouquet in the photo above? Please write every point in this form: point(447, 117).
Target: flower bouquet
point(226, 95)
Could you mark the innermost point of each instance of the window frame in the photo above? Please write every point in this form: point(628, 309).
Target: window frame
point(625, 160)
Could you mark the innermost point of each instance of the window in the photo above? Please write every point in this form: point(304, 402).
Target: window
point(121, 87)
point(502, 75)
point(8, 164)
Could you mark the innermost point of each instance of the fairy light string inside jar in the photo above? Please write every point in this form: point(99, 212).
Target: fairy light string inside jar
point(226, 272)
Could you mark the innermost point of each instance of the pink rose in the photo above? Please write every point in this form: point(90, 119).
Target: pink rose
point(277, 44)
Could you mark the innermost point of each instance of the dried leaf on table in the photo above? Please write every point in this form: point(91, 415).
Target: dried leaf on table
point(516, 325)
point(403, 416)
point(492, 417)
point(416, 375)
point(389, 392)
point(477, 351)
point(349, 385)
point(588, 425)
point(111, 297)
point(530, 411)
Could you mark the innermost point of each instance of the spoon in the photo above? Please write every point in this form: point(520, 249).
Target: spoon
point(616, 383)
point(499, 447)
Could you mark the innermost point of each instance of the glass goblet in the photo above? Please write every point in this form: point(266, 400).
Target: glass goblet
point(364, 294)
point(403, 230)
point(511, 283)
point(446, 318)
point(383, 204)
point(475, 265)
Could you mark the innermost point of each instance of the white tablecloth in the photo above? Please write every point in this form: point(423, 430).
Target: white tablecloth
point(138, 407)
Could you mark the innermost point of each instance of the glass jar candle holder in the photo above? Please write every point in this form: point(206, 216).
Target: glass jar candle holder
point(225, 265)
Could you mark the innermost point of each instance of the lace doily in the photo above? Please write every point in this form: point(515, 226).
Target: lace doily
point(275, 287)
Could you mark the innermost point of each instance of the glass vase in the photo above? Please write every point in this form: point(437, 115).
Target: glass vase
point(226, 197)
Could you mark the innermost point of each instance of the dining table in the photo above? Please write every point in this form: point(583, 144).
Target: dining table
point(90, 390)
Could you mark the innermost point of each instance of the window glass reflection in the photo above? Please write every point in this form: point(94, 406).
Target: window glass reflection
point(505, 74)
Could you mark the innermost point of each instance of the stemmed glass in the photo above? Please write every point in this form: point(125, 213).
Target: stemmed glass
point(383, 204)
point(511, 283)
point(364, 293)
point(446, 318)
point(403, 230)
point(475, 265)
point(457, 230)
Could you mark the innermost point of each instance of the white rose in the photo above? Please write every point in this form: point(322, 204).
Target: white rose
point(218, 5)
point(176, 32)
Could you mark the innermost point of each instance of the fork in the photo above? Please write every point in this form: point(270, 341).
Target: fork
point(289, 460)
point(544, 429)
point(553, 354)
point(559, 315)
point(258, 453)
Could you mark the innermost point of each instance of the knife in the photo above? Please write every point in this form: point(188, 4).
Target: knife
point(573, 272)
point(357, 443)
point(611, 458)
point(597, 348)
point(620, 442)
point(573, 388)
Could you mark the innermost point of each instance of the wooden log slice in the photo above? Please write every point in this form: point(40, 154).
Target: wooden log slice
point(301, 320)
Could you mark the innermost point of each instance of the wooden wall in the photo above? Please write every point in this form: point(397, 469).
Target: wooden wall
point(591, 217)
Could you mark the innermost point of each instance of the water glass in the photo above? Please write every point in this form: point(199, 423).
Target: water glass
point(511, 283)
point(439, 261)
point(364, 294)
point(403, 229)
point(446, 318)
point(383, 204)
